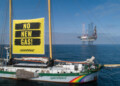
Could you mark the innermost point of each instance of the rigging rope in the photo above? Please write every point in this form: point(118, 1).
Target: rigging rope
point(3, 35)
point(87, 15)
point(53, 32)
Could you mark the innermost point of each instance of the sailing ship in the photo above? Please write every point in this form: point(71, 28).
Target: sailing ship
point(28, 38)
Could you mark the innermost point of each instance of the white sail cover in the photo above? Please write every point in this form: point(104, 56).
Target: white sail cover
point(42, 59)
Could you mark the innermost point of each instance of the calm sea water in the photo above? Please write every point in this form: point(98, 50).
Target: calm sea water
point(105, 54)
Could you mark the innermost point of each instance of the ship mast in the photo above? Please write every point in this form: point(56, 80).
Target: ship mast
point(50, 35)
point(10, 28)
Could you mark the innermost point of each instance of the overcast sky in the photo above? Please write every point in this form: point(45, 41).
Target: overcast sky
point(67, 18)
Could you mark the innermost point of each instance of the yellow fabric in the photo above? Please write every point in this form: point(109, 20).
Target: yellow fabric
point(25, 34)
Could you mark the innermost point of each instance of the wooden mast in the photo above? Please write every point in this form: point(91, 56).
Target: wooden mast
point(50, 35)
point(10, 28)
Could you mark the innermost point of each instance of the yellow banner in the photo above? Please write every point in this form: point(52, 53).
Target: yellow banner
point(28, 36)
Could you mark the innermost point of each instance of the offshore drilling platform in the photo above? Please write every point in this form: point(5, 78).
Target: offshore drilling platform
point(89, 35)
